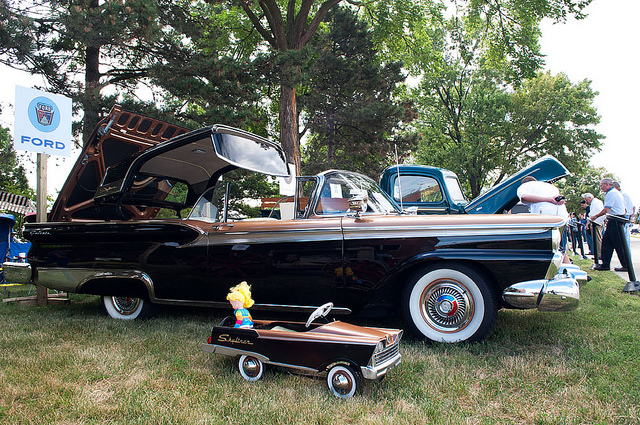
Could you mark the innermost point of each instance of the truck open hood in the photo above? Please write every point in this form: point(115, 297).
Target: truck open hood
point(503, 196)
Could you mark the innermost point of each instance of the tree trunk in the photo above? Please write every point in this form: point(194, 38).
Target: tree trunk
point(91, 98)
point(289, 126)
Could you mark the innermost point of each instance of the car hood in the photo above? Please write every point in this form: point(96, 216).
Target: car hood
point(504, 196)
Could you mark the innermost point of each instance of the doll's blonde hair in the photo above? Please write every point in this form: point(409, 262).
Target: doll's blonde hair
point(242, 293)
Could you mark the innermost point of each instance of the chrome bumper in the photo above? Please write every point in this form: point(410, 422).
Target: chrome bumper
point(19, 273)
point(383, 361)
point(561, 293)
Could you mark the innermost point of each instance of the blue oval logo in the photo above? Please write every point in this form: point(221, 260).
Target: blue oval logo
point(44, 114)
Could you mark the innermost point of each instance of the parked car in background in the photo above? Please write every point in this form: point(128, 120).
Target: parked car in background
point(433, 190)
point(158, 226)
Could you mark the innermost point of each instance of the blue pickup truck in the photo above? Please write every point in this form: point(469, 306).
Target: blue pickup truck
point(433, 190)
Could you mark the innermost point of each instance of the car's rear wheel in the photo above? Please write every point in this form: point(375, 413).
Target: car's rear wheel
point(343, 381)
point(450, 304)
point(126, 308)
point(250, 368)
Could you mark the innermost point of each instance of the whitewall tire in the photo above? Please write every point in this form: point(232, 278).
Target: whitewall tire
point(126, 308)
point(450, 304)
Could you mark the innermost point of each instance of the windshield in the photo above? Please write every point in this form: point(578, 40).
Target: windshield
point(338, 187)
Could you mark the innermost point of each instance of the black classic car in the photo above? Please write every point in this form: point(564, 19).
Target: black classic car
point(345, 352)
point(143, 221)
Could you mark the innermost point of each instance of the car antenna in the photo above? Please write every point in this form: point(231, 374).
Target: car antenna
point(398, 178)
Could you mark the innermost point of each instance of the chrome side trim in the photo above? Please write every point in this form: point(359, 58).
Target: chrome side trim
point(234, 352)
point(72, 280)
point(395, 232)
point(222, 238)
point(264, 307)
point(228, 351)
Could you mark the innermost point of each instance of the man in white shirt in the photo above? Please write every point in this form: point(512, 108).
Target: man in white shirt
point(630, 210)
point(611, 239)
point(544, 198)
point(596, 226)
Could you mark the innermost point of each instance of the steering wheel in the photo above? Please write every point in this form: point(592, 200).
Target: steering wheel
point(321, 311)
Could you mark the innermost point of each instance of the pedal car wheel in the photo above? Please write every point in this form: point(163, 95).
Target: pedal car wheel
point(343, 381)
point(126, 308)
point(250, 368)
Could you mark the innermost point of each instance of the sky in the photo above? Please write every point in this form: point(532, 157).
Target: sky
point(600, 48)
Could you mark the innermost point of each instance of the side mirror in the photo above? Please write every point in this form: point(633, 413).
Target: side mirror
point(358, 203)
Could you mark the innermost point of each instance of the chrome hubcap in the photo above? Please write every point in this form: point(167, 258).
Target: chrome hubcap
point(126, 305)
point(251, 367)
point(446, 305)
point(342, 383)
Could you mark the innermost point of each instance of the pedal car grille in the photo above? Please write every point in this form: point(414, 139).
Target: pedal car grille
point(386, 354)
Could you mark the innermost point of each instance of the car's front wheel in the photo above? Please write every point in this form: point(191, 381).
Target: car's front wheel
point(450, 304)
point(343, 381)
point(126, 308)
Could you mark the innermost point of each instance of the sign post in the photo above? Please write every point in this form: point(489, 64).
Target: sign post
point(42, 125)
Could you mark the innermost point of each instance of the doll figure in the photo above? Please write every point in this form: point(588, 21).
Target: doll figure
point(240, 299)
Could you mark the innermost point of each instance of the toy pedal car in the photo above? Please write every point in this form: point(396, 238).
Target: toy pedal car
point(346, 352)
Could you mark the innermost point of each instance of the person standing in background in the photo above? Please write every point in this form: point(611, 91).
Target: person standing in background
point(630, 210)
point(595, 206)
point(611, 238)
point(545, 198)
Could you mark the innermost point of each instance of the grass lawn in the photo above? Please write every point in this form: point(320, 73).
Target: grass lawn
point(72, 364)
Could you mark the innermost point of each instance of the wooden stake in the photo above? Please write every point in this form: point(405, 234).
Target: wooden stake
point(42, 293)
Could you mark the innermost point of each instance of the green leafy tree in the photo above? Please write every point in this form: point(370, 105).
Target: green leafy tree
point(585, 180)
point(348, 104)
point(81, 47)
point(216, 77)
point(462, 115)
point(13, 176)
point(287, 27)
point(485, 131)
point(550, 115)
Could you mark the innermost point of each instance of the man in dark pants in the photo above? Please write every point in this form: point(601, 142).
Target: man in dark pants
point(611, 240)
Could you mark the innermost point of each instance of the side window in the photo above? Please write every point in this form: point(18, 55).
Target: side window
point(305, 189)
point(177, 195)
point(417, 189)
point(334, 198)
point(209, 206)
